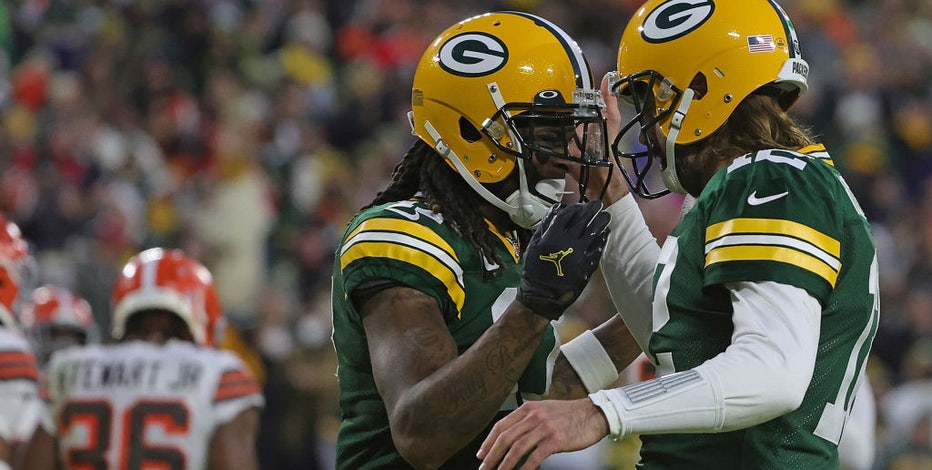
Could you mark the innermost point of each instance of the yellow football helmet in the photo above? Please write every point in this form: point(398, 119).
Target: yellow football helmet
point(686, 65)
point(487, 86)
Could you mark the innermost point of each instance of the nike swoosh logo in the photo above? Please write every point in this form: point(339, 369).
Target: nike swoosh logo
point(756, 201)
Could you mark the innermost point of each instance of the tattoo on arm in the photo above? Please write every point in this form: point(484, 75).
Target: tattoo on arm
point(565, 382)
point(439, 397)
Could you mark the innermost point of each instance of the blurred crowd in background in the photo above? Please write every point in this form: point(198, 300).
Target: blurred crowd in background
point(249, 132)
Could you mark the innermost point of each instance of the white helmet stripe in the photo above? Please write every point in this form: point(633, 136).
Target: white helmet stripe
point(66, 305)
point(149, 272)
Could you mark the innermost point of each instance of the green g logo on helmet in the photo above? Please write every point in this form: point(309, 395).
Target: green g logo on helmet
point(473, 55)
point(676, 18)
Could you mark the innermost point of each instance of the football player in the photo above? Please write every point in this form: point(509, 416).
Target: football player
point(163, 395)
point(18, 370)
point(56, 318)
point(52, 318)
point(439, 326)
point(760, 308)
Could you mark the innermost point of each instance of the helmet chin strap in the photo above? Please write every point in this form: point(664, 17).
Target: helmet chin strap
point(532, 208)
point(668, 174)
point(525, 208)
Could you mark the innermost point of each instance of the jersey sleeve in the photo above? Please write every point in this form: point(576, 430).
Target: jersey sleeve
point(16, 364)
point(773, 218)
point(413, 252)
point(18, 393)
point(50, 394)
point(20, 397)
point(32, 413)
point(236, 389)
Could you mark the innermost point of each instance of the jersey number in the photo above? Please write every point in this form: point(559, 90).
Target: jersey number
point(832, 421)
point(97, 418)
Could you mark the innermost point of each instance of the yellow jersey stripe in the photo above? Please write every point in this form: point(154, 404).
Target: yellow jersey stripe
point(773, 253)
point(812, 148)
point(407, 241)
point(441, 271)
point(774, 240)
point(509, 245)
point(775, 227)
point(817, 151)
point(405, 226)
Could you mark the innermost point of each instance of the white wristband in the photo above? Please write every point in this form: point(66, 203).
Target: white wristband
point(588, 358)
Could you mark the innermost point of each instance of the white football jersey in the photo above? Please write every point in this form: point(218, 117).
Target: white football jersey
point(137, 404)
point(18, 394)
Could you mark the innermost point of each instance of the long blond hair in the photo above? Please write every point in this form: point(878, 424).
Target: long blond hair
point(758, 122)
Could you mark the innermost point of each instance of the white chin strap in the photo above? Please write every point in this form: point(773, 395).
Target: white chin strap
point(668, 175)
point(525, 208)
point(531, 208)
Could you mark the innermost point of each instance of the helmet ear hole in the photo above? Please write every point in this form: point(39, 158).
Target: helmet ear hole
point(785, 94)
point(468, 132)
point(699, 85)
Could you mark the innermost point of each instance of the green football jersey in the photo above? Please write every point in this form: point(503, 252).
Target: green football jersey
point(406, 242)
point(778, 216)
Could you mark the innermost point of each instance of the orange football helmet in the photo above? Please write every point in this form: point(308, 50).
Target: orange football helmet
point(14, 253)
point(168, 279)
point(54, 309)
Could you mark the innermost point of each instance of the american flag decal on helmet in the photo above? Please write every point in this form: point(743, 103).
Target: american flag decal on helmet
point(761, 43)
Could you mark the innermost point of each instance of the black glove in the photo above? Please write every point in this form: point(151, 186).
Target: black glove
point(561, 256)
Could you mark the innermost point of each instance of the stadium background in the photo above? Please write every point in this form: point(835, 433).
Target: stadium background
point(249, 132)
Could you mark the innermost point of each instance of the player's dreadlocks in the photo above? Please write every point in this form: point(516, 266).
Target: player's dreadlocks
point(422, 169)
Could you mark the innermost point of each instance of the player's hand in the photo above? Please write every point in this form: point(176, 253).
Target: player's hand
point(538, 429)
point(561, 256)
point(605, 183)
point(612, 112)
point(614, 184)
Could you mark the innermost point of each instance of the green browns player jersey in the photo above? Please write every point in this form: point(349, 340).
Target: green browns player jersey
point(781, 216)
point(406, 242)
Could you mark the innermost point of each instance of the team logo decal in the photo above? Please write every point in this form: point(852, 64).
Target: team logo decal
point(675, 18)
point(473, 55)
point(557, 259)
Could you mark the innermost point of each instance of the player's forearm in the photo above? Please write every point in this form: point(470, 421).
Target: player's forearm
point(764, 374)
point(41, 452)
point(444, 412)
point(233, 445)
point(628, 265)
point(620, 347)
